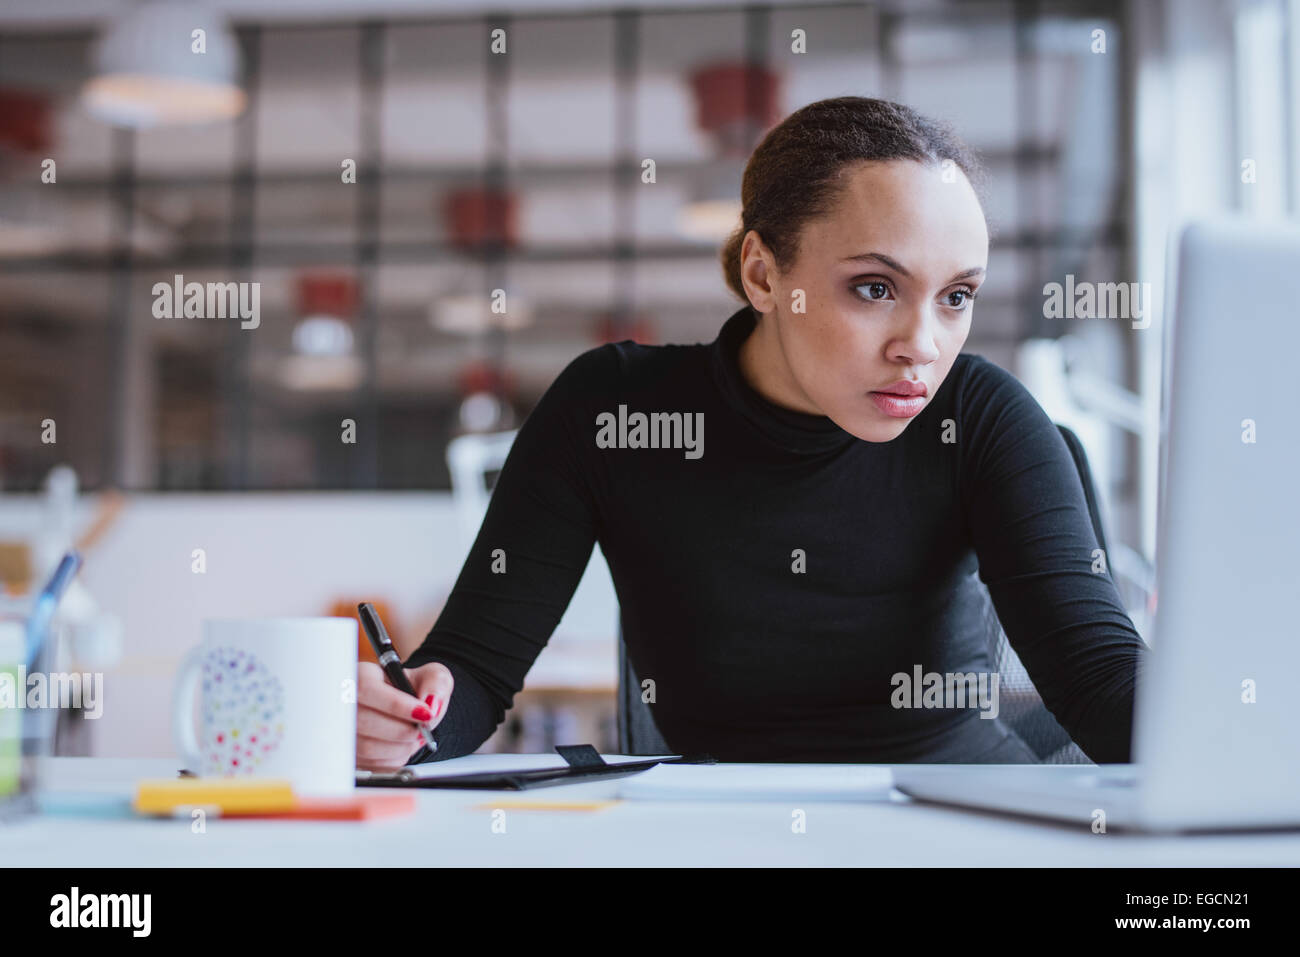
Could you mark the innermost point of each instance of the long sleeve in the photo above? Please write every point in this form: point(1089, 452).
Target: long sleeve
point(526, 561)
point(1029, 524)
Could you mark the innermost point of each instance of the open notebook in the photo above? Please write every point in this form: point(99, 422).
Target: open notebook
point(576, 764)
point(662, 778)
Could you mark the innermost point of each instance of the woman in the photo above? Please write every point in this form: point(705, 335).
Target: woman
point(781, 585)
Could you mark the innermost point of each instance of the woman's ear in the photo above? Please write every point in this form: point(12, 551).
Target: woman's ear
point(758, 272)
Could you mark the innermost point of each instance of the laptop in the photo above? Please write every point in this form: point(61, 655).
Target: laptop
point(1217, 719)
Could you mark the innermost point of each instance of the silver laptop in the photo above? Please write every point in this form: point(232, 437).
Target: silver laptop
point(1217, 723)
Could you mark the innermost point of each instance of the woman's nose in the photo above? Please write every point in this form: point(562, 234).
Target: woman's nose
point(915, 342)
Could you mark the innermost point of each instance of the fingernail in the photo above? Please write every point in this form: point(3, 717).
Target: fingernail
point(429, 700)
point(437, 708)
point(421, 713)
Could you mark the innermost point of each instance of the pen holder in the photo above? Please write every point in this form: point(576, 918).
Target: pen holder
point(26, 733)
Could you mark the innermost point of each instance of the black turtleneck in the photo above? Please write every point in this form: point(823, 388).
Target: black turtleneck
point(776, 576)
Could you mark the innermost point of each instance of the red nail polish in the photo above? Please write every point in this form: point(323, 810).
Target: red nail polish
point(421, 713)
point(429, 700)
point(437, 709)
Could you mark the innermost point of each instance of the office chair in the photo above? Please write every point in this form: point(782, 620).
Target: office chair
point(1020, 706)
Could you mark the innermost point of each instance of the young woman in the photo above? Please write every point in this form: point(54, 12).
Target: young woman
point(861, 477)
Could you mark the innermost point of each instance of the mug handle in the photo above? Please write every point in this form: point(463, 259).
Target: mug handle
point(183, 736)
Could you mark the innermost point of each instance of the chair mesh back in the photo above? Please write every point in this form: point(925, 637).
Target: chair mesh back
point(1020, 707)
point(637, 731)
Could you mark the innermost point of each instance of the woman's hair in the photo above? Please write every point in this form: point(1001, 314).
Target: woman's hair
point(794, 174)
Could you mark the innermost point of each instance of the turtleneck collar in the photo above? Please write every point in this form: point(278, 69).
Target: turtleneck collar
point(789, 429)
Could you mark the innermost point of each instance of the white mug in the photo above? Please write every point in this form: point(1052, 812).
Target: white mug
point(278, 700)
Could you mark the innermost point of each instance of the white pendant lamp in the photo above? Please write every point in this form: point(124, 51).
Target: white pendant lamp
point(165, 62)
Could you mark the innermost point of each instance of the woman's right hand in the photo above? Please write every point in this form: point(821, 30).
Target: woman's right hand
point(386, 718)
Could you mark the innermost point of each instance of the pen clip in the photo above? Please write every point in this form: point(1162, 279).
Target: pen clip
point(374, 625)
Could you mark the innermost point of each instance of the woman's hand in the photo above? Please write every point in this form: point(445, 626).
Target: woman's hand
point(386, 717)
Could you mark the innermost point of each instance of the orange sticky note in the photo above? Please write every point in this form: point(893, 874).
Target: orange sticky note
point(368, 807)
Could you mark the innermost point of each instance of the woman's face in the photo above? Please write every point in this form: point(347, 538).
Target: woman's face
point(886, 282)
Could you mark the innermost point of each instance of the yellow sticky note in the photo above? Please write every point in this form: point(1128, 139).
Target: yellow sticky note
point(518, 805)
point(165, 795)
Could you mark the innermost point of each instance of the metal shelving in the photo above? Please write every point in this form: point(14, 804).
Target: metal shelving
point(244, 246)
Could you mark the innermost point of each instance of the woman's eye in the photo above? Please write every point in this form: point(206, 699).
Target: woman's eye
point(874, 290)
point(959, 298)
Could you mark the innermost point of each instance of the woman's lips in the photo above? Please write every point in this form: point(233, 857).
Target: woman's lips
point(898, 406)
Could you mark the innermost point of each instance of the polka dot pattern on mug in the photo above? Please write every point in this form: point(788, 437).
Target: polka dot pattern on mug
point(243, 711)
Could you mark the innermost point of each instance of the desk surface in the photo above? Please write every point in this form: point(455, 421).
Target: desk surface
point(454, 828)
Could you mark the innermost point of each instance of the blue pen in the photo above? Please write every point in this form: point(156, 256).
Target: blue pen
point(38, 624)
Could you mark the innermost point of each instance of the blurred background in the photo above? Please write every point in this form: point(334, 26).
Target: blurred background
point(440, 216)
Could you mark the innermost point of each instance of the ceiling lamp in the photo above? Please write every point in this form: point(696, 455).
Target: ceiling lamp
point(323, 356)
point(327, 303)
point(476, 219)
point(25, 227)
point(165, 62)
point(735, 104)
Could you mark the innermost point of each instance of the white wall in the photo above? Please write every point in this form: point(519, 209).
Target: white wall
point(283, 555)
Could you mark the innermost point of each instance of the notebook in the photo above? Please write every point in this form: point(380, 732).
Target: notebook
point(582, 763)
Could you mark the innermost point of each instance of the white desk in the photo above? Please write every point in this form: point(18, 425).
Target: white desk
point(450, 828)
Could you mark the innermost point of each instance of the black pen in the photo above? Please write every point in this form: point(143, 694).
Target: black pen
point(389, 660)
